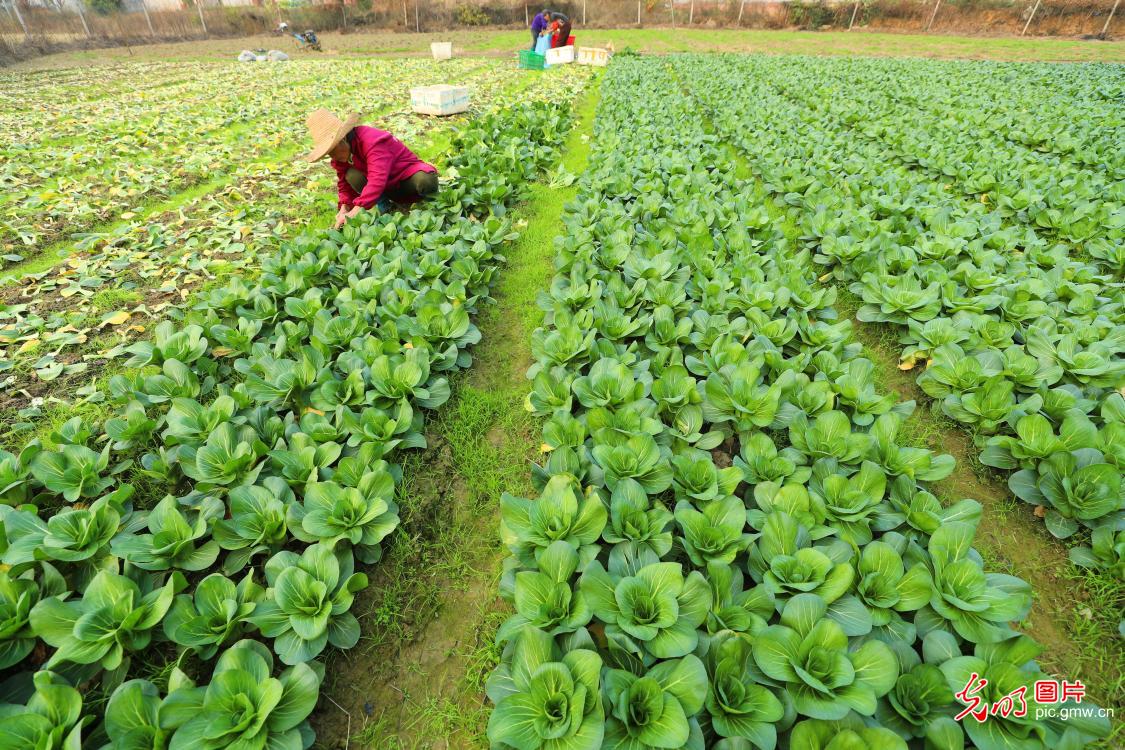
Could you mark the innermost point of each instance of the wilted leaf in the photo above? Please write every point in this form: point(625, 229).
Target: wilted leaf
point(114, 319)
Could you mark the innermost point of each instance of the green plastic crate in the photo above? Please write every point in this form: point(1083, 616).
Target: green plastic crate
point(530, 60)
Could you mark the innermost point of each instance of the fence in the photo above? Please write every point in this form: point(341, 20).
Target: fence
point(29, 27)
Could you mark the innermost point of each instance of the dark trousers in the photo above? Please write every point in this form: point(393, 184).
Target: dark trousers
point(564, 34)
point(534, 39)
point(416, 186)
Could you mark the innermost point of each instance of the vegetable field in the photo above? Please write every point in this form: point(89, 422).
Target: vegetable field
point(639, 435)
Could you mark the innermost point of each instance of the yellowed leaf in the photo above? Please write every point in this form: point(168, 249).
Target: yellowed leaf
point(546, 448)
point(1040, 511)
point(825, 277)
point(310, 410)
point(116, 319)
point(28, 345)
point(68, 292)
point(408, 345)
point(222, 351)
point(907, 364)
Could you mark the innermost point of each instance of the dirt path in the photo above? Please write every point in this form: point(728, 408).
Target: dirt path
point(1073, 615)
point(431, 613)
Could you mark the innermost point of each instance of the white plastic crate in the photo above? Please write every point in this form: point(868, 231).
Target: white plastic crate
point(439, 100)
point(593, 56)
point(441, 50)
point(560, 55)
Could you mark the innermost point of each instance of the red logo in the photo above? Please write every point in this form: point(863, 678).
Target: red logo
point(1015, 702)
point(975, 705)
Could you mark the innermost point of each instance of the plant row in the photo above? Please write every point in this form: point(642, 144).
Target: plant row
point(219, 519)
point(113, 165)
point(1021, 340)
point(66, 94)
point(124, 280)
point(1036, 105)
point(731, 548)
point(1083, 207)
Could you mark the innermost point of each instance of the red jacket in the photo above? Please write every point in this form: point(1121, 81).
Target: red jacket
point(383, 158)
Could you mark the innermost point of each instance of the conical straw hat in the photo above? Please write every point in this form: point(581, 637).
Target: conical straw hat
point(327, 130)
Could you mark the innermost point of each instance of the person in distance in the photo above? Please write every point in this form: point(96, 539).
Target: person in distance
point(539, 25)
point(562, 27)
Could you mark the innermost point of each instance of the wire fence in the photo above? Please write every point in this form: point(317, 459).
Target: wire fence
point(30, 27)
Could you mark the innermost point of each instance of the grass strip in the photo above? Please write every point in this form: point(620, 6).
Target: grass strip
point(430, 617)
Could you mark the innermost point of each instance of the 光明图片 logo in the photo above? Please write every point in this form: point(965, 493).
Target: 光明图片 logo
point(1051, 699)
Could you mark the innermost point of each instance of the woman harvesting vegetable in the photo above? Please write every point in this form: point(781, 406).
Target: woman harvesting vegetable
point(372, 166)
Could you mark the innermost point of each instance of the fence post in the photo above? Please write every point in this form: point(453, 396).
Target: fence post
point(741, 7)
point(199, 7)
point(1029, 18)
point(526, 17)
point(933, 15)
point(1111, 12)
point(672, 5)
point(81, 15)
point(417, 22)
point(691, 13)
point(19, 17)
point(148, 18)
point(854, 11)
point(638, 12)
point(583, 13)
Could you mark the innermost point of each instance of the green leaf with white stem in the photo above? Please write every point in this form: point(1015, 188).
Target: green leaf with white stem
point(114, 617)
point(176, 539)
point(245, 706)
point(307, 602)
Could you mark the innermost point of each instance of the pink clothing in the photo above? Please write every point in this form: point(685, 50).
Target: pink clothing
point(383, 158)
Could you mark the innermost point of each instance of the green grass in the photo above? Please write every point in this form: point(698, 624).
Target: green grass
point(665, 40)
point(658, 40)
point(113, 299)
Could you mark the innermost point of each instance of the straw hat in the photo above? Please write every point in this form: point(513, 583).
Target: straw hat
point(327, 130)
